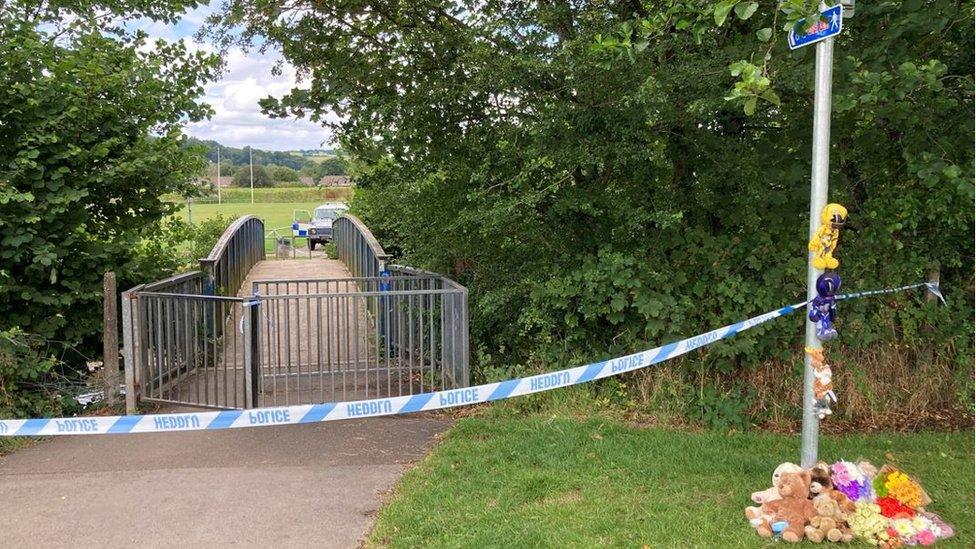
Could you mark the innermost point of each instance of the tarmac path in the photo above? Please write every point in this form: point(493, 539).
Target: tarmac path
point(313, 485)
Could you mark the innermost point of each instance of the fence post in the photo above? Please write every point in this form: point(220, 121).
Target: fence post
point(110, 337)
point(252, 353)
point(129, 351)
point(465, 350)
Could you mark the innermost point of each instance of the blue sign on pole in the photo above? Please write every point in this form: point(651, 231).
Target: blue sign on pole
point(829, 23)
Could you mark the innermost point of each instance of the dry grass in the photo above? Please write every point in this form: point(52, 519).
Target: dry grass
point(886, 388)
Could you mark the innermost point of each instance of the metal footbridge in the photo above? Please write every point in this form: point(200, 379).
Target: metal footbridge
point(245, 331)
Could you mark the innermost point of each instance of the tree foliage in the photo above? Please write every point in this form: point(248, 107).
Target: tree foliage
point(242, 156)
point(243, 175)
point(333, 165)
point(604, 176)
point(90, 138)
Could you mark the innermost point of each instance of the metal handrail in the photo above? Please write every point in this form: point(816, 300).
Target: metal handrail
point(357, 248)
point(239, 248)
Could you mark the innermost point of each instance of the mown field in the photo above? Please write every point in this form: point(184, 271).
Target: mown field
point(276, 215)
point(274, 194)
point(505, 480)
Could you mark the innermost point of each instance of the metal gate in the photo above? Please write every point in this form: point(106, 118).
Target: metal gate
point(332, 340)
point(312, 341)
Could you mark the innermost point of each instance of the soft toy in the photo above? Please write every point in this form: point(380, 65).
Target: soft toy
point(823, 387)
point(824, 241)
point(823, 307)
point(820, 482)
point(793, 507)
point(755, 513)
point(830, 522)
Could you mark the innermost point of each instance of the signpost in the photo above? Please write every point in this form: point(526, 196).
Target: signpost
point(822, 32)
point(830, 23)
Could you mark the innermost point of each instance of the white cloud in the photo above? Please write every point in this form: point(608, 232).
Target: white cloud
point(248, 78)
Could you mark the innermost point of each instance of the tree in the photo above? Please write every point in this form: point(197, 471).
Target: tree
point(90, 138)
point(242, 177)
point(334, 165)
point(283, 174)
point(604, 176)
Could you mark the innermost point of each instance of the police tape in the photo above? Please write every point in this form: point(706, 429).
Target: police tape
point(335, 411)
point(932, 287)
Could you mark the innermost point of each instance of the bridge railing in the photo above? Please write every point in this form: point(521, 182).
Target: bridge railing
point(180, 341)
point(357, 247)
point(239, 248)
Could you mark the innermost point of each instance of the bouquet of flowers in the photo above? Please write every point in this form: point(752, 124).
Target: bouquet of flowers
point(849, 479)
point(889, 506)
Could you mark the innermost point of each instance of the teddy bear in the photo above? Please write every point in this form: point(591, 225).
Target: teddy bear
point(820, 482)
point(793, 507)
point(830, 521)
point(754, 513)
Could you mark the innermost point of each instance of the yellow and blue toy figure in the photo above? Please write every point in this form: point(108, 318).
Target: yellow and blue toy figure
point(824, 242)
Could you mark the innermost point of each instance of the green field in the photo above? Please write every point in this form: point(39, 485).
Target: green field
point(273, 194)
point(598, 482)
point(274, 215)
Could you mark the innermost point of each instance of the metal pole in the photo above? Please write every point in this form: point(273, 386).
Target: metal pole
point(818, 199)
point(129, 351)
point(218, 174)
point(250, 160)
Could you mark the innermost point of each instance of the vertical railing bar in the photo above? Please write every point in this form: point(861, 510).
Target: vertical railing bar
point(332, 344)
point(410, 341)
point(318, 344)
point(420, 337)
point(237, 358)
point(287, 336)
point(376, 343)
point(432, 302)
point(355, 330)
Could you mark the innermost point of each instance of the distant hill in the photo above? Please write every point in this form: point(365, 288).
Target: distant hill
point(239, 156)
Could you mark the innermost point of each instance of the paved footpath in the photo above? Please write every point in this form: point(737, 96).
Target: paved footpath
point(315, 485)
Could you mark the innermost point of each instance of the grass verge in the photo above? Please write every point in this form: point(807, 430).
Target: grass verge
point(533, 481)
point(9, 445)
point(275, 215)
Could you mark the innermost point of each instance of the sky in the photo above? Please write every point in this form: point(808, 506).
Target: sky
point(247, 78)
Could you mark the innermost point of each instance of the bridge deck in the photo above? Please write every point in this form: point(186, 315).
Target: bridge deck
point(312, 349)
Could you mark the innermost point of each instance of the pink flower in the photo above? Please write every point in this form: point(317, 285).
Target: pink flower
point(925, 537)
point(841, 475)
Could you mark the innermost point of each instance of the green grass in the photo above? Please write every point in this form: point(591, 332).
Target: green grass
point(9, 445)
point(274, 215)
point(534, 481)
point(274, 194)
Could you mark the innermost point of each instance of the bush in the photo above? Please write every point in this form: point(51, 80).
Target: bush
point(283, 174)
point(28, 385)
point(242, 177)
point(176, 247)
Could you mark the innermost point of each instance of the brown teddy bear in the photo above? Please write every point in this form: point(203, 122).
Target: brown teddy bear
point(754, 513)
point(793, 507)
point(830, 522)
point(820, 482)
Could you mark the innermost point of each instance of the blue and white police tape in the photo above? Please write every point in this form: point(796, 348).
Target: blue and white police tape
point(930, 286)
point(333, 411)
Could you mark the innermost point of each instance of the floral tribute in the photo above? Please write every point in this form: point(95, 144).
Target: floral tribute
point(846, 501)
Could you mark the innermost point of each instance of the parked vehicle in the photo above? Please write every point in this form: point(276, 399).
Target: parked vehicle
point(320, 228)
